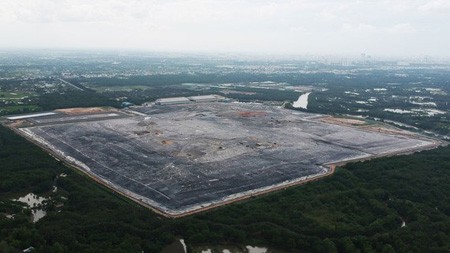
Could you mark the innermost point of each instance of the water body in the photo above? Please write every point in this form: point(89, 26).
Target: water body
point(31, 199)
point(403, 222)
point(177, 246)
point(259, 249)
point(38, 214)
point(302, 101)
point(35, 203)
point(235, 249)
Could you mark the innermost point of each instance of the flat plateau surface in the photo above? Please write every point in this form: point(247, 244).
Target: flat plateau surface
point(179, 159)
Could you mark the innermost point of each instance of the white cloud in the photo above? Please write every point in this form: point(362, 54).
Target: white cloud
point(297, 29)
point(358, 28)
point(435, 6)
point(287, 26)
point(328, 15)
point(404, 28)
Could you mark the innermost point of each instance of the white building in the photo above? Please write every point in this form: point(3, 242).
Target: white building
point(171, 101)
point(207, 98)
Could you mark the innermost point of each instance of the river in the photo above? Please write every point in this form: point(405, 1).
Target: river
point(302, 101)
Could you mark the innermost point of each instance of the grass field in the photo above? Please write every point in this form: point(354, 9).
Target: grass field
point(16, 109)
point(6, 95)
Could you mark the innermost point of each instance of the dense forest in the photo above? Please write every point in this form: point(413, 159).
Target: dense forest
point(361, 208)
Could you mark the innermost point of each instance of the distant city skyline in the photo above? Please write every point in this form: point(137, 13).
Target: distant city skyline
point(386, 28)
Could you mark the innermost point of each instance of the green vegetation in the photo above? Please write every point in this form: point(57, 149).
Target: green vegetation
point(13, 102)
point(338, 100)
point(119, 88)
point(18, 109)
point(92, 218)
point(13, 95)
point(52, 101)
point(359, 209)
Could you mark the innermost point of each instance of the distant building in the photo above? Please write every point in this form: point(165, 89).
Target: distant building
point(27, 116)
point(207, 98)
point(172, 101)
point(185, 100)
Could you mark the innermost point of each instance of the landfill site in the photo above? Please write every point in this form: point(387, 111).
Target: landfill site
point(180, 156)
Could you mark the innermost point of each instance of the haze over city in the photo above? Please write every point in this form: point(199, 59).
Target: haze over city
point(349, 27)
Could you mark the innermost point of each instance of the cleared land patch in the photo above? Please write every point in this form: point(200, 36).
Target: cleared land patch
point(184, 158)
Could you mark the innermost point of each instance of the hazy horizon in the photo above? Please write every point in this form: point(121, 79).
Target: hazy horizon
point(389, 28)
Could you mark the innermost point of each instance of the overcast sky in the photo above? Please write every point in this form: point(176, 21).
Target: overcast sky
point(383, 27)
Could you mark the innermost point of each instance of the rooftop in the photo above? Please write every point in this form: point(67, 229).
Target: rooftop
point(206, 97)
point(173, 100)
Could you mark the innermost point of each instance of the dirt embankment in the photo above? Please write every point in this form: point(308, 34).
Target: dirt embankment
point(342, 121)
point(80, 110)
